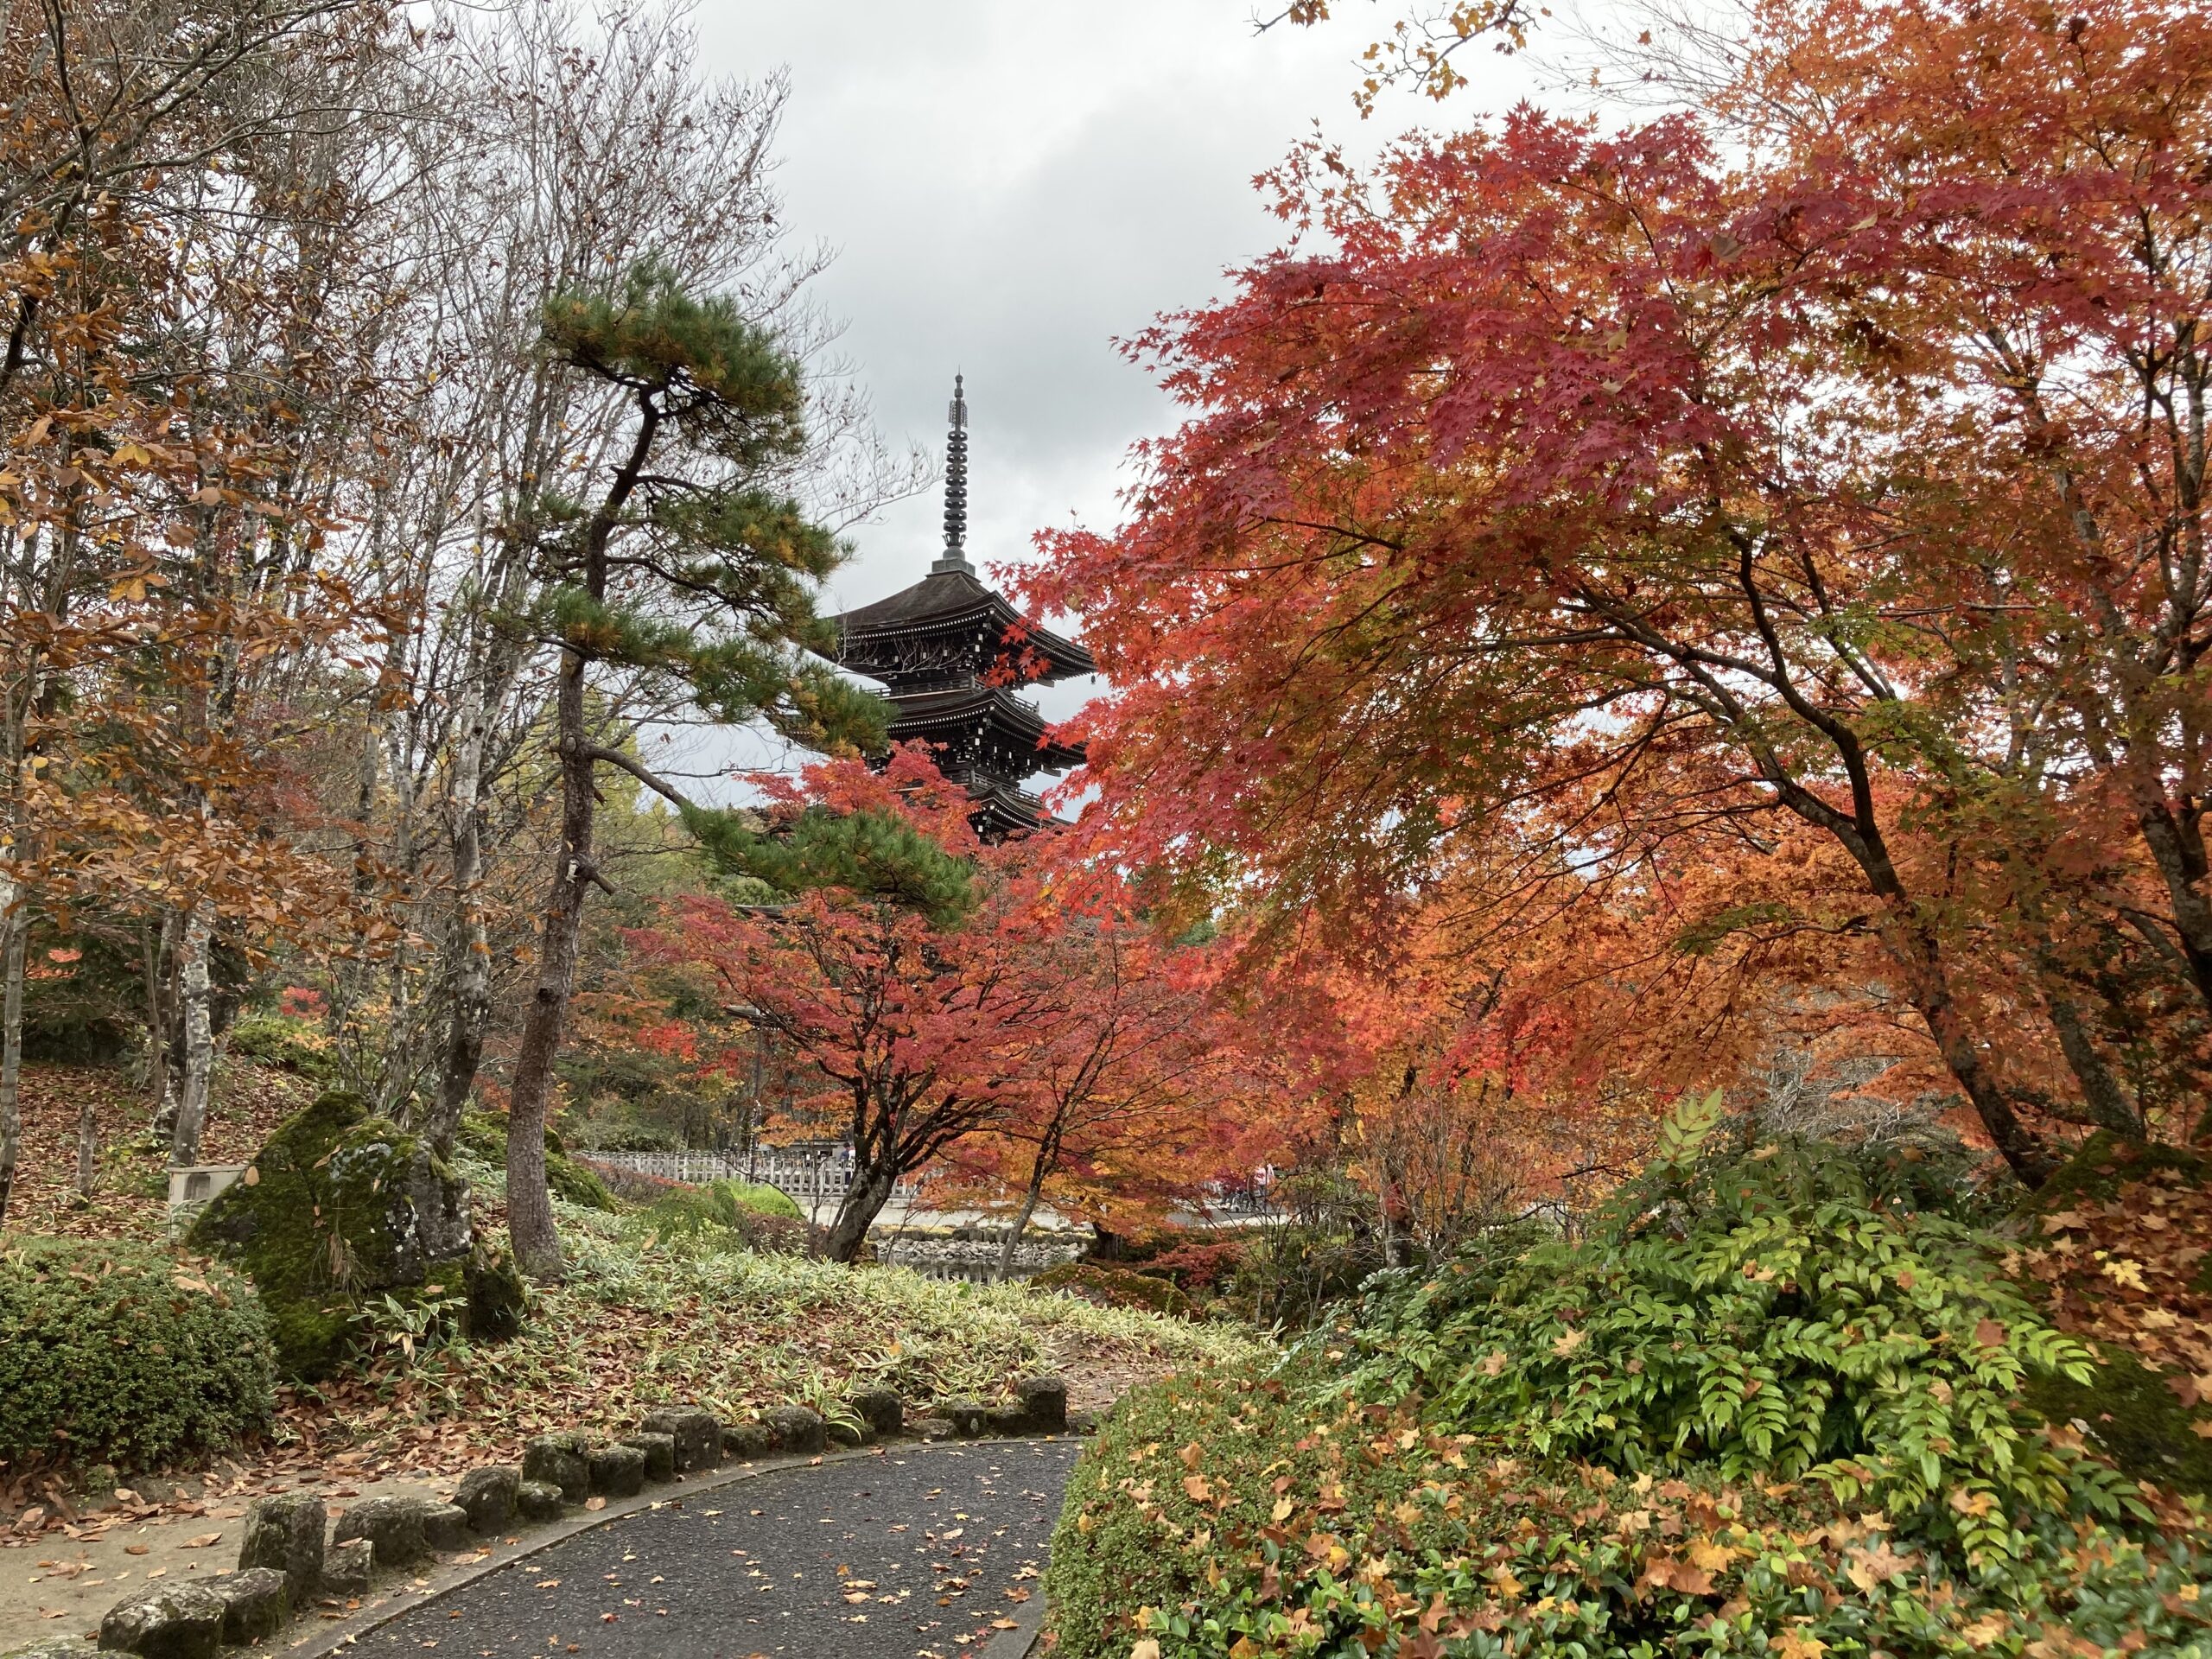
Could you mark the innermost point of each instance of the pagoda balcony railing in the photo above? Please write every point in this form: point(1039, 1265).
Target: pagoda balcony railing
point(962, 682)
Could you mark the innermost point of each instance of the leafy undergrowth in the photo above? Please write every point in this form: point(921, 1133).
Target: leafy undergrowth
point(1250, 1515)
point(2119, 1251)
point(1772, 1403)
point(130, 1196)
point(644, 1320)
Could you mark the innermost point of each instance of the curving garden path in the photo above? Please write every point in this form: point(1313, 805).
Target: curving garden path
point(926, 1552)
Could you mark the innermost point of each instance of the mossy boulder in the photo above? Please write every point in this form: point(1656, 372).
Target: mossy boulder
point(337, 1207)
point(1115, 1287)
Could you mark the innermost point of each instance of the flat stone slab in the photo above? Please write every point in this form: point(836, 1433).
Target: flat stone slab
point(736, 1583)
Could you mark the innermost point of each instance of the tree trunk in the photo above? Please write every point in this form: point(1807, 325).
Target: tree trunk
point(2178, 848)
point(88, 1148)
point(199, 1038)
point(471, 944)
point(172, 1031)
point(863, 1202)
point(529, 1208)
point(16, 925)
point(152, 941)
point(1021, 1217)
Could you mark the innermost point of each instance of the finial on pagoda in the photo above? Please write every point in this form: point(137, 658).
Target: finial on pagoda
point(956, 484)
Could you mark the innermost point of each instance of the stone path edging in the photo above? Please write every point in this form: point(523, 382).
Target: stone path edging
point(1015, 1643)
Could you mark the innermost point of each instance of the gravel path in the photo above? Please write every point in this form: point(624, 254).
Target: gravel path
point(923, 1553)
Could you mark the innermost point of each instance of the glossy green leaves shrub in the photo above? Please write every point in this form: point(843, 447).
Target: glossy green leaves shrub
point(119, 1353)
point(1771, 1315)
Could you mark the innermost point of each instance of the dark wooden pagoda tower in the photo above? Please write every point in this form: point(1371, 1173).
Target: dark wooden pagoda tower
point(949, 650)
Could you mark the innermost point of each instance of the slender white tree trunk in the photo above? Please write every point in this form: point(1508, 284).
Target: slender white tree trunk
point(13, 920)
point(199, 1037)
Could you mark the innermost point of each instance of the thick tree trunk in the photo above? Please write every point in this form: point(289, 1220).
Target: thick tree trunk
point(863, 1202)
point(199, 1037)
point(471, 944)
point(15, 920)
point(529, 1208)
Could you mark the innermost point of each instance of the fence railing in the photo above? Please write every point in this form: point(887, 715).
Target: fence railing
point(806, 1180)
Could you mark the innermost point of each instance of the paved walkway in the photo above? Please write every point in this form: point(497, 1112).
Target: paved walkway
point(924, 1553)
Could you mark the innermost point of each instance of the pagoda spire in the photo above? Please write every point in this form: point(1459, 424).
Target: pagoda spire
point(955, 557)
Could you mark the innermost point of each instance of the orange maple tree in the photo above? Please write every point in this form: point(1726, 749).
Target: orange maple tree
point(1823, 461)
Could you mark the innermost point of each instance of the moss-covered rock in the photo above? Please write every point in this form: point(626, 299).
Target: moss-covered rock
point(338, 1206)
point(1115, 1287)
point(2131, 1415)
point(2106, 1162)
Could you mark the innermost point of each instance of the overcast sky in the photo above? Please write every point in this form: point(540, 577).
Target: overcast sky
point(1011, 185)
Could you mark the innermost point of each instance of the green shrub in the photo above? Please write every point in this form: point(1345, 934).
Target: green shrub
point(120, 1353)
point(484, 1137)
point(725, 1215)
point(292, 1044)
point(1245, 1514)
point(1769, 1314)
point(1107, 1286)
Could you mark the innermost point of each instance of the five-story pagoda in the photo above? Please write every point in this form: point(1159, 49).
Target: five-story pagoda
point(950, 649)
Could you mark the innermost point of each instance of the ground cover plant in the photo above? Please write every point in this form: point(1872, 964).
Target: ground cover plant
point(123, 1353)
point(1767, 1403)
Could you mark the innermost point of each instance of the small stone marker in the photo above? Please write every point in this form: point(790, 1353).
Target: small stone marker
point(697, 1434)
point(445, 1528)
point(618, 1471)
point(537, 1500)
point(346, 1568)
point(255, 1602)
point(1044, 1404)
point(558, 1460)
point(168, 1621)
point(969, 1418)
point(881, 1410)
point(748, 1440)
point(796, 1429)
point(488, 1495)
point(660, 1452)
point(393, 1527)
point(287, 1533)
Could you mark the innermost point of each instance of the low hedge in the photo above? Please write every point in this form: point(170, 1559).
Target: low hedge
point(1255, 1514)
point(114, 1352)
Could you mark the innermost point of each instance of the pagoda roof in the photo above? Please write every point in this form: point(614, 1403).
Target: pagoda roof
point(950, 601)
point(960, 708)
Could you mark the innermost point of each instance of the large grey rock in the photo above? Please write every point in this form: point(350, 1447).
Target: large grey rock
point(660, 1452)
point(697, 1434)
point(286, 1535)
point(488, 1496)
point(970, 1419)
point(393, 1527)
point(881, 1410)
point(617, 1470)
point(796, 1429)
point(748, 1440)
point(1043, 1402)
point(537, 1500)
point(255, 1604)
point(166, 1621)
point(445, 1528)
point(558, 1460)
point(346, 1568)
